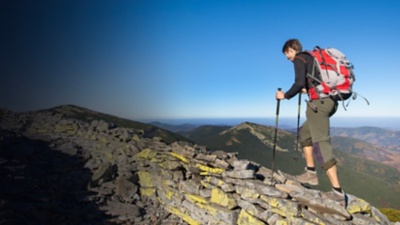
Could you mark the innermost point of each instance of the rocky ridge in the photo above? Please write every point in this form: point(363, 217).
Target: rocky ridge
point(58, 170)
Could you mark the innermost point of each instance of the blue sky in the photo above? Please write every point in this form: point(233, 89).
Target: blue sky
point(189, 59)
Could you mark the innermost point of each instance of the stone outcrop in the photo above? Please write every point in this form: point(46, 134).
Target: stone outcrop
point(58, 170)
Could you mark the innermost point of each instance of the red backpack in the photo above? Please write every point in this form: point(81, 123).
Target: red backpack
point(332, 75)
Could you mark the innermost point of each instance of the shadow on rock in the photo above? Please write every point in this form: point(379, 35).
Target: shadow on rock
point(40, 185)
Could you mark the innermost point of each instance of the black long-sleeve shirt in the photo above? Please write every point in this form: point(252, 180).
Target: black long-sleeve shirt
point(303, 63)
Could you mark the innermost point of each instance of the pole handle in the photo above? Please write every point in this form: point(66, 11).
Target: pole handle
point(277, 107)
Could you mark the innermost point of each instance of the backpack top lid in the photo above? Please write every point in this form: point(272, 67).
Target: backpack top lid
point(332, 59)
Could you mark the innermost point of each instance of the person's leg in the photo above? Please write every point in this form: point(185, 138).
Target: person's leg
point(322, 147)
point(308, 155)
point(309, 176)
point(306, 143)
point(333, 176)
point(337, 193)
point(319, 127)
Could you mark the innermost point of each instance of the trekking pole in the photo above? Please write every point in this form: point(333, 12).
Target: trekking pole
point(276, 131)
point(298, 128)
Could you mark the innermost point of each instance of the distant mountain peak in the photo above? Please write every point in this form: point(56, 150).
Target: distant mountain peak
point(70, 109)
point(244, 125)
point(261, 132)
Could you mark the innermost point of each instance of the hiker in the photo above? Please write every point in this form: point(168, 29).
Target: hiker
point(314, 133)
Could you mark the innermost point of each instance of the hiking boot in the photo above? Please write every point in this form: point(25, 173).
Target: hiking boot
point(336, 196)
point(308, 177)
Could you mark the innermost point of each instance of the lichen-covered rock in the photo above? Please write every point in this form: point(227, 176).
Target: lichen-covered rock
point(58, 170)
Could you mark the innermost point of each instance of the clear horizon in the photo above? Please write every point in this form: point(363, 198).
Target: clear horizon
point(391, 123)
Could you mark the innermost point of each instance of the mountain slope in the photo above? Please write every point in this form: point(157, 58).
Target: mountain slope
point(251, 141)
point(366, 150)
point(174, 128)
point(387, 139)
point(87, 115)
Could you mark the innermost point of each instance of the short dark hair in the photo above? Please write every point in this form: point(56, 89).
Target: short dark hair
point(292, 43)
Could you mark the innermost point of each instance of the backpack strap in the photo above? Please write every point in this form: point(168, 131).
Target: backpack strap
point(313, 65)
point(302, 59)
point(311, 76)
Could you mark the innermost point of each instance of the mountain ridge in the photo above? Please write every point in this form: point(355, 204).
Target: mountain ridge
point(121, 158)
point(384, 147)
point(87, 115)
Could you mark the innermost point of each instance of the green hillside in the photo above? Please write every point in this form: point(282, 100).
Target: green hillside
point(373, 181)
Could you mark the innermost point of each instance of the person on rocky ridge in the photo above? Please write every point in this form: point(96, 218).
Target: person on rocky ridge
point(314, 133)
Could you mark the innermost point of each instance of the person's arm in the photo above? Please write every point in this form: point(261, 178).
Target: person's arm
point(300, 71)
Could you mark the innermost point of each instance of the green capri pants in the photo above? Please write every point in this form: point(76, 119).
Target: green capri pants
point(315, 131)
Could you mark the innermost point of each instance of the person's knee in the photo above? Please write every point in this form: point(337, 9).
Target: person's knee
point(322, 138)
point(305, 138)
point(328, 164)
point(323, 154)
point(306, 143)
